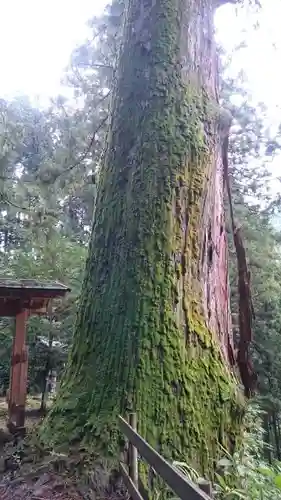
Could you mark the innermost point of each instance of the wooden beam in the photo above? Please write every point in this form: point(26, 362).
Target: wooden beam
point(181, 485)
point(18, 372)
point(133, 453)
point(11, 310)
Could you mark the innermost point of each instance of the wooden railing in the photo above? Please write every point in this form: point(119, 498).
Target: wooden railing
point(180, 484)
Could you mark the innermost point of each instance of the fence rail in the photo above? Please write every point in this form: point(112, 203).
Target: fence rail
point(181, 485)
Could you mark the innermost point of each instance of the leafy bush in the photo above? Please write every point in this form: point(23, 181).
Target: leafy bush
point(246, 474)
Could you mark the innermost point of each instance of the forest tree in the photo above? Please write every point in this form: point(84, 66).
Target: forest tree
point(153, 332)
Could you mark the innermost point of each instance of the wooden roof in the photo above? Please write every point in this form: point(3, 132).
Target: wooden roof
point(16, 295)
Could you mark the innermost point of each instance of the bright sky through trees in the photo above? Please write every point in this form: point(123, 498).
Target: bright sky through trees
point(36, 40)
point(37, 37)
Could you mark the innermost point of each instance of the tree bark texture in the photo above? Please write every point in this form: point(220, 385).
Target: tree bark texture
point(153, 332)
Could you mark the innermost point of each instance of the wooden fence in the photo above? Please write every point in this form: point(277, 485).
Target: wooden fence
point(180, 484)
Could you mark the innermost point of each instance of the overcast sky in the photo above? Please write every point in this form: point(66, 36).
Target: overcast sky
point(36, 40)
point(37, 37)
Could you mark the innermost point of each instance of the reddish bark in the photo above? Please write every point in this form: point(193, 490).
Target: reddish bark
point(246, 315)
point(215, 266)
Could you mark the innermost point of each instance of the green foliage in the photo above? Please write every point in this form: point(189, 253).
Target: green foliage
point(254, 206)
point(246, 474)
point(35, 241)
point(5, 353)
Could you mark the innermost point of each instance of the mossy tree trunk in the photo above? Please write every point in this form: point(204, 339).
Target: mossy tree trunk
point(153, 329)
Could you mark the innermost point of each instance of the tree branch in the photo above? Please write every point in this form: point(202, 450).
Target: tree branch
point(87, 150)
point(5, 199)
point(3, 178)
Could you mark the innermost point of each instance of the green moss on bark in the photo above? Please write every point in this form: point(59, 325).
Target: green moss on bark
point(140, 342)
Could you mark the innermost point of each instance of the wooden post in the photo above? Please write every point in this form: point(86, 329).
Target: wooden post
point(133, 453)
point(45, 391)
point(205, 486)
point(18, 373)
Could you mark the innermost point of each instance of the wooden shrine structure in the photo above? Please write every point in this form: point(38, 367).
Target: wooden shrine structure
point(20, 299)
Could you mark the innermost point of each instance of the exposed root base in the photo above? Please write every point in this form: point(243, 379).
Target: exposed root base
point(30, 472)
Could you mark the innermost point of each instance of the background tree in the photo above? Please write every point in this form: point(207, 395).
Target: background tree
point(33, 227)
point(254, 205)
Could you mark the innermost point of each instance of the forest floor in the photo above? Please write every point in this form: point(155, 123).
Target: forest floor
point(27, 472)
point(33, 404)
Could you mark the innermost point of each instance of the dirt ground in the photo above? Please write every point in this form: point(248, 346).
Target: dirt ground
point(45, 488)
point(20, 475)
point(29, 473)
point(33, 403)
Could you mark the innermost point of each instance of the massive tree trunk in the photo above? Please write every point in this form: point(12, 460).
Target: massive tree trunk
point(153, 333)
